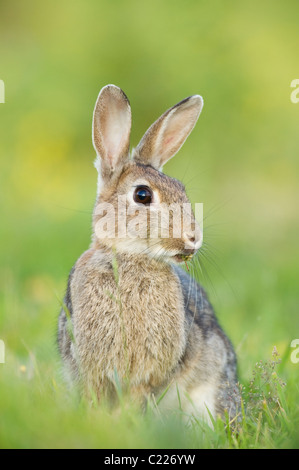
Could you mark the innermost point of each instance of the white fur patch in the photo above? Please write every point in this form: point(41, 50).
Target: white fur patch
point(202, 402)
point(199, 402)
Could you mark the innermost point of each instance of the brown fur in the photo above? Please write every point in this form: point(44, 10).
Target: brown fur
point(137, 317)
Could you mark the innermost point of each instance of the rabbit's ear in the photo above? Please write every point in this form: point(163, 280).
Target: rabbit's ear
point(111, 130)
point(166, 136)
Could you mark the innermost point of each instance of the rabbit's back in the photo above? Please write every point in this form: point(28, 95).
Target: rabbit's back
point(209, 363)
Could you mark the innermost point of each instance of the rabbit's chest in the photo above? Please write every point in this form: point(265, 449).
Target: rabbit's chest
point(133, 327)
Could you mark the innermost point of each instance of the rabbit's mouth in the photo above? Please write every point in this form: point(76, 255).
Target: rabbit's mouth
point(183, 257)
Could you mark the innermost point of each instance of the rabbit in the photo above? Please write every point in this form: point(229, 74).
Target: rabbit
point(132, 317)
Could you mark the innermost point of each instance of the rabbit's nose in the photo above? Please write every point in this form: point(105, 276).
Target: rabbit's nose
point(190, 237)
point(192, 242)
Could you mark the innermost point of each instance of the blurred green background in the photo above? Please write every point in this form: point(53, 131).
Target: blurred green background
point(241, 161)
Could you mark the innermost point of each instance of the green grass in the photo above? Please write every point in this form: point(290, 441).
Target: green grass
point(39, 411)
point(241, 161)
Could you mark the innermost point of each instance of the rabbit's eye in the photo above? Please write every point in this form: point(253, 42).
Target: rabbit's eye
point(143, 195)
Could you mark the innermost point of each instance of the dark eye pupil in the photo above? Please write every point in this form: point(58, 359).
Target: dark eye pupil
point(143, 195)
